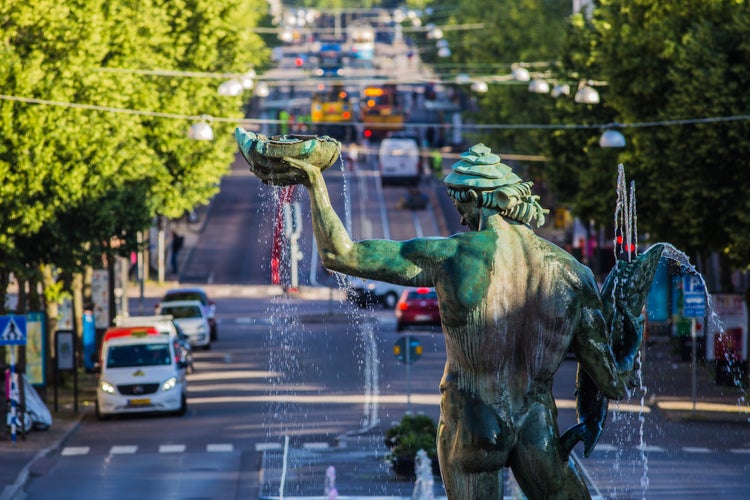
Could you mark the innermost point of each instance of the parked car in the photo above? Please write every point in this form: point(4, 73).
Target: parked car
point(140, 372)
point(192, 318)
point(195, 293)
point(417, 307)
point(167, 326)
point(366, 293)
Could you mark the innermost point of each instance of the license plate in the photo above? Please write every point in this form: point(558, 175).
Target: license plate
point(422, 317)
point(139, 402)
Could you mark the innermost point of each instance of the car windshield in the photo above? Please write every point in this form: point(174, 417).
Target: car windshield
point(422, 296)
point(179, 312)
point(175, 296)
point(123, 356)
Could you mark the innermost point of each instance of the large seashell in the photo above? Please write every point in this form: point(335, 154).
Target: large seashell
point(264, 155)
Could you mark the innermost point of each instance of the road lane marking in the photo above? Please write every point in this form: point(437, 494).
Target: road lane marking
point(123, 450)
point(315, 446)
point(171, 448)
point(695, 449)
point(219, 447)
point(267, 446)
point(70, 451)
point(650, 448)
point(606, 447)
point(740, 450)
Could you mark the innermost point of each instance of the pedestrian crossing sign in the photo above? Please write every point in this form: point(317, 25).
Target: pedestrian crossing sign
point(12, 330)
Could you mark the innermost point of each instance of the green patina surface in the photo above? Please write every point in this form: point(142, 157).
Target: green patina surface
point(511, 305)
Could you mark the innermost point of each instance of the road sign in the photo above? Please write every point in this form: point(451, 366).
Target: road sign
point(415, 349)
point(12, 330)
point(693, 297)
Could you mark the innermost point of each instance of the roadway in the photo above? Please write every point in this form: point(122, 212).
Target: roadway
point(315, 380)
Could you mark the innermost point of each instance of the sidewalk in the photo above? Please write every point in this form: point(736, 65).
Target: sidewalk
point(28, 455)
point(670, 389)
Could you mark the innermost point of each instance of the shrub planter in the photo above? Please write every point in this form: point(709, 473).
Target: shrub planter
point(413, 433)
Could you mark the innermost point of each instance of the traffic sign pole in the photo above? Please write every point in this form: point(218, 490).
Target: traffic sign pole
point(695, 364)
point(12, 334)
point(407, 350)
point(408, 374)
point(13, 395)
point(694, 306)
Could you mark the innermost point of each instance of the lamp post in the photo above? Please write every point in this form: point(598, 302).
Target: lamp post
point(539, 86)
point(612, 139)
point(202, 130)
point(586, 94)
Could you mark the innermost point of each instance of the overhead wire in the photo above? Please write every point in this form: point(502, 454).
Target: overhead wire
point(486, 126)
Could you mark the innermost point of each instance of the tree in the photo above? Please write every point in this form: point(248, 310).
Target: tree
point(92, 146)
point(530, 32)
point(668, 61)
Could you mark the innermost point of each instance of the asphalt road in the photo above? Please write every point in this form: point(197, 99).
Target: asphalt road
point(321, 374)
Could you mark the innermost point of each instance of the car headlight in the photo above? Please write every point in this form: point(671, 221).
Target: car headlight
point(169, 384)
point(202, 329)
point(106, 387)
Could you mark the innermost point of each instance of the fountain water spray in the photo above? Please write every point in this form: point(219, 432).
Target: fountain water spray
point(424, 487)
point(626, 229)
point(330, 492)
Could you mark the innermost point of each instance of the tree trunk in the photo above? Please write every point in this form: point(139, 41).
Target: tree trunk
point(51, 309)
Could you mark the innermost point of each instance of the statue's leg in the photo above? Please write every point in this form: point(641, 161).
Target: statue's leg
point(473, 445)
point(459, 484)
point(536, 462)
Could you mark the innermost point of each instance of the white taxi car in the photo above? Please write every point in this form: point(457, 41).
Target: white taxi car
point(140, 372)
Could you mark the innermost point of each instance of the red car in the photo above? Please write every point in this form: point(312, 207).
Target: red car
point(417, 306)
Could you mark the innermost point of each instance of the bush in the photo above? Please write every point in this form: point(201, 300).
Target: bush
point(413, 433)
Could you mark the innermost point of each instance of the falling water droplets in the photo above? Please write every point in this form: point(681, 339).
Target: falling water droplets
point(424, 487)
point(626, 228)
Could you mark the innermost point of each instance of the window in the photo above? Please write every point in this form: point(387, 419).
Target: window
point(179, 312)
point(124, 356)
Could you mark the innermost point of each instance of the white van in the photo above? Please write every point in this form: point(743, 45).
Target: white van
point(399, 161)
point(140, 372)
point(166, 325)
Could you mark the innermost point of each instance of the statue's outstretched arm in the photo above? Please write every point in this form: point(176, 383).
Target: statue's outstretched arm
point(384, 260)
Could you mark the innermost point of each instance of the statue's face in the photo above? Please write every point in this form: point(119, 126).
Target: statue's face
point(469, 212)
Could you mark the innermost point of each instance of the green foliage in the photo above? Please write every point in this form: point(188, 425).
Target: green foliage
point(81, 182)
point(413, 433)
point(527, 31)
point(667, 61)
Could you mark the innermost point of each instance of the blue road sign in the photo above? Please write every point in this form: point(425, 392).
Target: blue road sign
point(13, 330)
point(415, 349)
point(693, 297)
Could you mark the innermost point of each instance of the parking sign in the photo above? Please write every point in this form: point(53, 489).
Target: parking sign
point(693, 297)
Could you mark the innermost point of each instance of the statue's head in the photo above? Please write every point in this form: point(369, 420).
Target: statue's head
point(479, 180)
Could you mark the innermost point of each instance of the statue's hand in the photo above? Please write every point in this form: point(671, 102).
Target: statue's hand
point(308, 170)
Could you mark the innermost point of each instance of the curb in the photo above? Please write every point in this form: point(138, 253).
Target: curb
point(15, 490)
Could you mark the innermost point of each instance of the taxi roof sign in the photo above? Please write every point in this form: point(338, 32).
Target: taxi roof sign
point(130, 331)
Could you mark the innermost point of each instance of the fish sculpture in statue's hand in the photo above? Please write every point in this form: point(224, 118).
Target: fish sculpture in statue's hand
point(623, 296)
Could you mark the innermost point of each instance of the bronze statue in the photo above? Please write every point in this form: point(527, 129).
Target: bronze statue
point(511, 305)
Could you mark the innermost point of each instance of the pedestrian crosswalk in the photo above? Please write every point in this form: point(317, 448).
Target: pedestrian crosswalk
point(175, 448)
point(70, 451)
